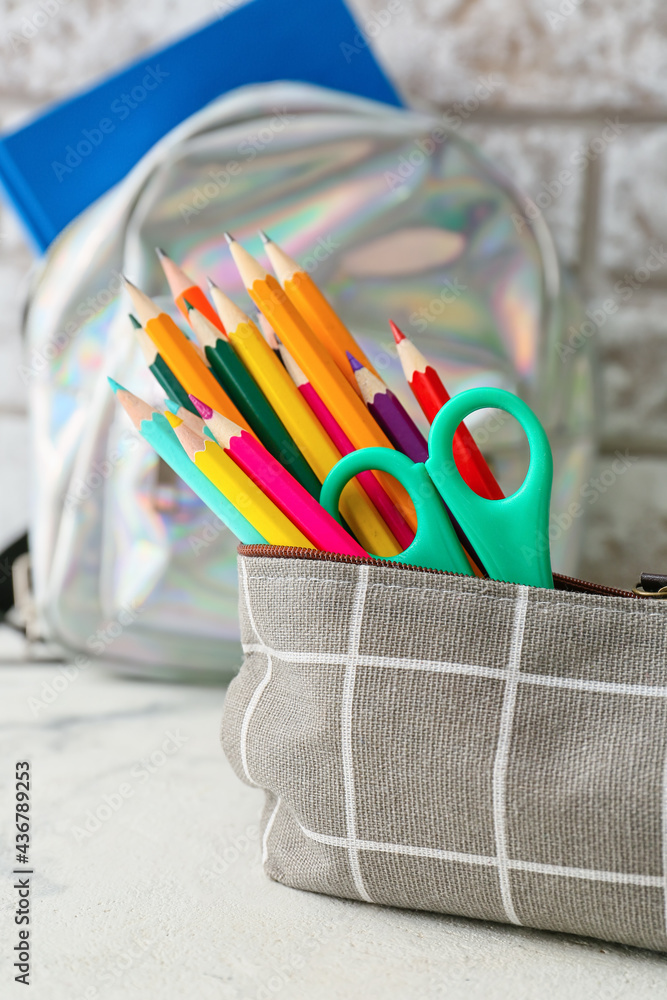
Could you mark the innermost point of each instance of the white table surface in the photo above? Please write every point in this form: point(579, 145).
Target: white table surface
point(159, 903)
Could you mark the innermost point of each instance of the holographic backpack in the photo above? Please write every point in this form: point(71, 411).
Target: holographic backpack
point(395, 216)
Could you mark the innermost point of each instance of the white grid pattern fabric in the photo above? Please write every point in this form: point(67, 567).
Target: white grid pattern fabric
point(457, 745)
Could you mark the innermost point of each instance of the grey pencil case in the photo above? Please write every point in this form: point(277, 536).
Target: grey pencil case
point(464, 746)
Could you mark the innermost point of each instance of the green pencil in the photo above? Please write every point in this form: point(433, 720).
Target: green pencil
point(161, 369)
point(244, 392)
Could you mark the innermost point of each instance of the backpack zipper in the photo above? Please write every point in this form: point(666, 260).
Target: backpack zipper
point(561, 582)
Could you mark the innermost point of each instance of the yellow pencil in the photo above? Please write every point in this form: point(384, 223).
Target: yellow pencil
point(306, 430)
point(242, 493)
point(315, 308)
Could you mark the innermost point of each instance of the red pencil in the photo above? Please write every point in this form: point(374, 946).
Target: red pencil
point(431, 395)
point(402, 531)
point(183, 290)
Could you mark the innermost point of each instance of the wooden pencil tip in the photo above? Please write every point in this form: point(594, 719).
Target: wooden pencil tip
point(204, 411)
point(189, 305)
point(127, 281)
point(115, 385)
point(160, 252)
point(134, 321)
point(230, 239)
point(355, 365)
point(211, 283)
point(191, 442)
point(398, 334)
point(264, 238)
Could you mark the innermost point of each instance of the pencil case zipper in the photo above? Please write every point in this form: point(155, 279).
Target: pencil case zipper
point(561, 582)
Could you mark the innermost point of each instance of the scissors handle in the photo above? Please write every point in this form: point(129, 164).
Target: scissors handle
point(511, 536)
point(435, 546)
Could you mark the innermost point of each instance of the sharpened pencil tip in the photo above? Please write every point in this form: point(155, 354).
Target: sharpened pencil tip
point(264, 238)
point(114, 385)
point(127, 281)
point(188, 304)
point(211, 283)
point(134, 321)
point(230, 239)
point(354, 364)
point(160, 252)
point(398, 334)
point(204, 411)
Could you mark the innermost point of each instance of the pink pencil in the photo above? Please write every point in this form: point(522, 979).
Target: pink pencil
point(275, 481)
point(401, 530)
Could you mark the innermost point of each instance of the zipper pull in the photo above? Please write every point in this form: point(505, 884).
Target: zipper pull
point(652, 585)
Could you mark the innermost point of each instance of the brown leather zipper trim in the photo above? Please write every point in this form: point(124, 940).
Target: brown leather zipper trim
point(567, 583)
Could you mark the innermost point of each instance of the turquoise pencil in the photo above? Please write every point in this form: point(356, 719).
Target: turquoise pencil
point(156, 429)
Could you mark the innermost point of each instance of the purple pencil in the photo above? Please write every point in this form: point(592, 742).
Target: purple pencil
point(390, 413)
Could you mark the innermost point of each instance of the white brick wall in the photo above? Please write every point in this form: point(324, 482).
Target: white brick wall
point(560, 77)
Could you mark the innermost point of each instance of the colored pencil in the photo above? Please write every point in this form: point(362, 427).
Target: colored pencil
point(315, 308)
point(240, 490)
point(371, 486)
point(389, 412)
point(367, 522)
point(296, 503)
point(160, 369)
point(320, 369)
point(247, 395)
point(431, 395)
point(193, 420)
point(181, 355)
point(157, 430)
point(184, 289)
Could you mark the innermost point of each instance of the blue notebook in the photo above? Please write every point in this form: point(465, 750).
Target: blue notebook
point(58, 164)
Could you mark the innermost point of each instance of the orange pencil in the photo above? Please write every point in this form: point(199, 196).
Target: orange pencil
point(315, 308)
point(181, 355)
point(184, 290)
point(330, 384)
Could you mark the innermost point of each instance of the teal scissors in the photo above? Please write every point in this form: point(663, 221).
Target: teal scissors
point(511, 536)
